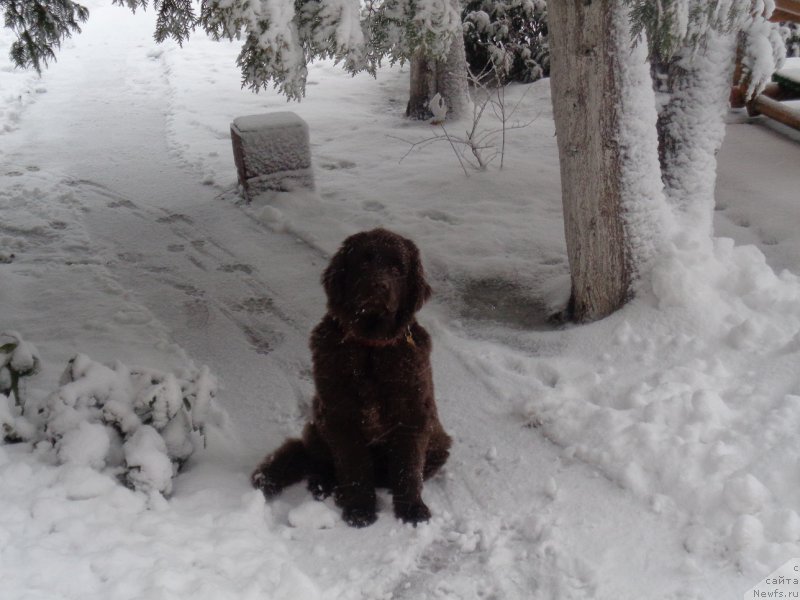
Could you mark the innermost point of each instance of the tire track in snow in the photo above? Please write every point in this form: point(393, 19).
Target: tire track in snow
point(245, 298)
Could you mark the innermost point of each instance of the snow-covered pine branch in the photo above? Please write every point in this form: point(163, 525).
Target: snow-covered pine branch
point(672, 26)
point(40, 27)
point(279, 37)
point(763, 48)
point(507, 39)
point(333, 29)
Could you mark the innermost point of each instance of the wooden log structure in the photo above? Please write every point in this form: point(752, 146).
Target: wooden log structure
point(768, 103)
point(786, 10)
point(764, 105)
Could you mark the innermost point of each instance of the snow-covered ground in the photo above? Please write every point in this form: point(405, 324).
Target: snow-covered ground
point(651, 455)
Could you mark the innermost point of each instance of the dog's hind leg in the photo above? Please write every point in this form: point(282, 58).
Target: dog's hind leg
point(436, 454)
point(287, 465)
point(321, 472)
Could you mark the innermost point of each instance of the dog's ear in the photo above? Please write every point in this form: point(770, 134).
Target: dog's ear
point(333, 278)
point(418, 289)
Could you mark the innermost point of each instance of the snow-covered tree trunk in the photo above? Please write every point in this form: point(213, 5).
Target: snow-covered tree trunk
point(604, 110)
point(447, 77)
point(693, 51)
point(422, 86)
point(691, 128)
point(584, 95)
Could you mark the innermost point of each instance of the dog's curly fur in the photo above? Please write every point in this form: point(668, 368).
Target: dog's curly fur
point(374, 419)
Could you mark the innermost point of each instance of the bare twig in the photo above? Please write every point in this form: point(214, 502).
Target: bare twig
point(481, 142)
point(453, 146)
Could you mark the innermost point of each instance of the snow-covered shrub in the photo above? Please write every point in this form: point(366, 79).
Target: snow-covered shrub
point(141, 424)
point(18, 359)
point(13, 426)
point(507, 39)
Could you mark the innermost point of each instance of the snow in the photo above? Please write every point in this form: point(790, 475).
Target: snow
point(313, 515)
point(653, 454)
point(24, 358)
point(85, 444)
point(146, 457)
point(791, 68)
point(647, 218)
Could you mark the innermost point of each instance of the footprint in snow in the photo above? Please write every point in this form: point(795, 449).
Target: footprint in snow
point(259, 343)
point(373, 205)
point(175, 218)
point(339, 164)
point(189, 290)
point(255, 305)
point(236, 268)
point(130, 257)
point(437, 215)
point(121, 204)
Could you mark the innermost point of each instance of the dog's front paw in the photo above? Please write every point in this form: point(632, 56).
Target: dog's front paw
point(359, 517)
point(261, 481)
point(320, 487)
point(412, 512)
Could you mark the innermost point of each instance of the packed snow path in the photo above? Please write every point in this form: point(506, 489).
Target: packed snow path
point(170, 267)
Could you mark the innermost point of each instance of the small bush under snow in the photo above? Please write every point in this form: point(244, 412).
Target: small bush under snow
point(18, 359)
point(141, 424)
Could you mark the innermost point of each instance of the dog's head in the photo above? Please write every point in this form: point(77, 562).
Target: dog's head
point(375, 284)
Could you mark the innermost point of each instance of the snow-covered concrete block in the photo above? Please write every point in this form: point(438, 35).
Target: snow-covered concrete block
point(272, 152)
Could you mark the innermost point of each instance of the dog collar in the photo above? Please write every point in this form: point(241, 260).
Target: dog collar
point(405, 336)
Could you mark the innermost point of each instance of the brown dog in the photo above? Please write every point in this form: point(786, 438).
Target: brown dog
point(374, 417)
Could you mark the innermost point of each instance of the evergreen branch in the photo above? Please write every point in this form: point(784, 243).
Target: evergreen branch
point(176, 20)
point(40, 27)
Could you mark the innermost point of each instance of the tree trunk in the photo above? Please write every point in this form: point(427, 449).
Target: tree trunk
point(691, 127)
point(585, 98)
point(615, 214)
point(447, 77)
point(423, 86)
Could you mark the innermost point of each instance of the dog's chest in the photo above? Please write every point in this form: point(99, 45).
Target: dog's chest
point(372, 424)
point(377, 371)
point(379, 390)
